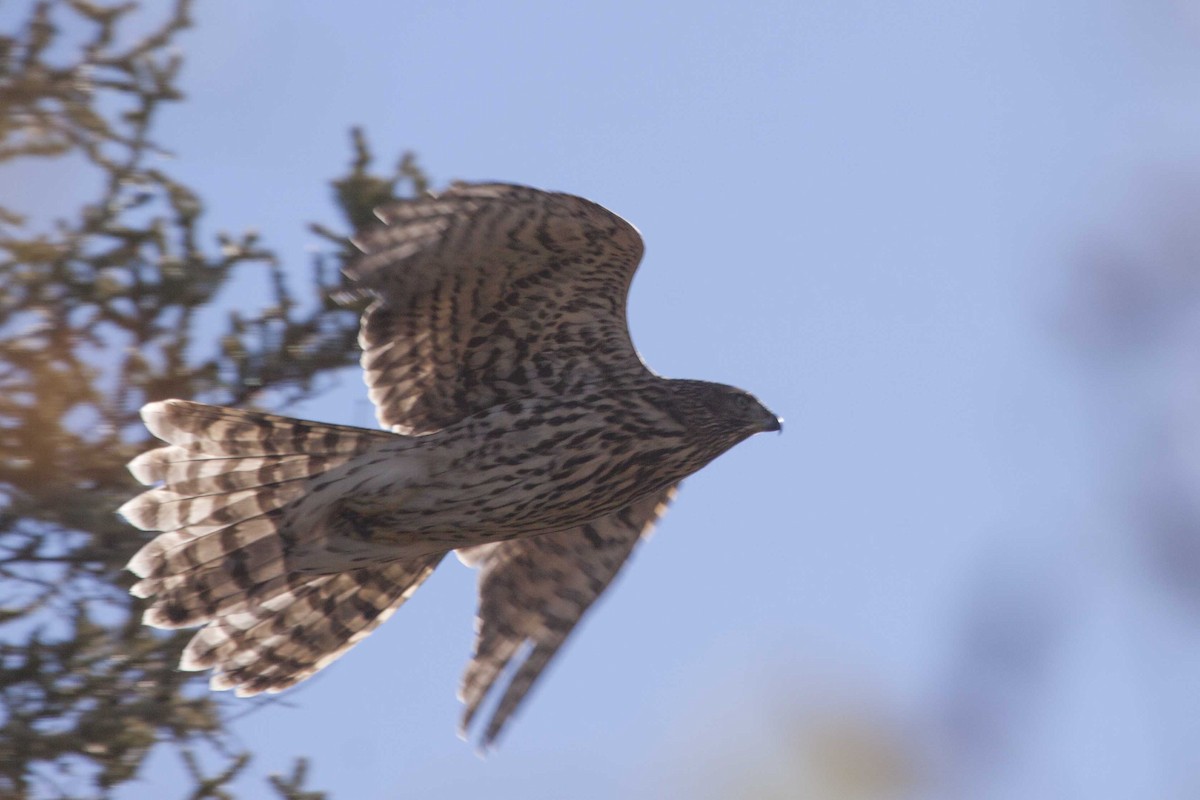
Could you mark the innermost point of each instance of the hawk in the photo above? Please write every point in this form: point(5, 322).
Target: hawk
point(522, 431)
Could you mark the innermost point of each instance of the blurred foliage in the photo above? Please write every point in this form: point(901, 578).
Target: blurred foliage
point(830, 747)
point(1132, 312)
point(98, 314)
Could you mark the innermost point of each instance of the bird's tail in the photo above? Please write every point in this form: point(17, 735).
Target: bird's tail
point(228, 479)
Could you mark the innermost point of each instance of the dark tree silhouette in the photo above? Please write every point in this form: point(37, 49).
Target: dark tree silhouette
point(97, 316)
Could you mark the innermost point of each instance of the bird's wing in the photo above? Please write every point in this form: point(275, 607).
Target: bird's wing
point(533, 592)
point(490, 292)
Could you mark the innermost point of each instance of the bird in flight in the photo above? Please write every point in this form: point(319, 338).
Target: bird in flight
point(521, 431)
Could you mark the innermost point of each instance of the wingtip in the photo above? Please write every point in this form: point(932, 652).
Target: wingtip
point(481, 747)
point(485, 743)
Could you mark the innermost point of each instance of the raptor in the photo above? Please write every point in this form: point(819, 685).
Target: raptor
point(521, 430)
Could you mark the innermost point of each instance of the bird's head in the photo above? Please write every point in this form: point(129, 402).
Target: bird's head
point(742, 409)
point(724, 412)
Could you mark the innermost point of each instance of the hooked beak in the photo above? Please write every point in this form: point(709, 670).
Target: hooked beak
point(774, 424)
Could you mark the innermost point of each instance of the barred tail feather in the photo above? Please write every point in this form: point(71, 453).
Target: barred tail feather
point(228, 478)
point(282, 641)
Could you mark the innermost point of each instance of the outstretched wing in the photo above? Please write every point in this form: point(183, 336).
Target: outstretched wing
point(488, 293)
point(533, 592)
point(491, 292)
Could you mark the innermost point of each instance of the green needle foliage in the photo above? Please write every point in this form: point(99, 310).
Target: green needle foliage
point(98, 315)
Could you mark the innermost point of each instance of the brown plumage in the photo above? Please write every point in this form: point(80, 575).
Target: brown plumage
point(524, 432)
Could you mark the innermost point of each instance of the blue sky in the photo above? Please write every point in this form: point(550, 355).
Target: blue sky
point(865, 213)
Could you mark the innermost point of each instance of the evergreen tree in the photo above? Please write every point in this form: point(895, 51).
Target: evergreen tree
point(97, 316)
